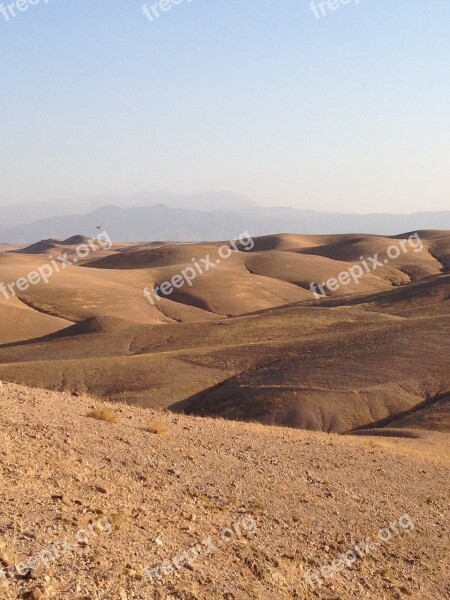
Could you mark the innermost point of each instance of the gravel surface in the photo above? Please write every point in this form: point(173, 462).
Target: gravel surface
point(94, 507)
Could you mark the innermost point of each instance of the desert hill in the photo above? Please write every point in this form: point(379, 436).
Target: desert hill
point(51, 244)
point(352, 391)
point(246, 339)
point(94, 506)
point(302, 269)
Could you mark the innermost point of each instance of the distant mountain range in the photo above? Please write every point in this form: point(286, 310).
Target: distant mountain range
point(195, 217)
point(22, 214)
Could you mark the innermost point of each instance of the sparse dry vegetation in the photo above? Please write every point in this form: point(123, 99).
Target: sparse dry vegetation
point(104, 414)
point(157, 427)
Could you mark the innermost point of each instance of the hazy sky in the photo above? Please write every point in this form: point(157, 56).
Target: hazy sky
point(349, 112)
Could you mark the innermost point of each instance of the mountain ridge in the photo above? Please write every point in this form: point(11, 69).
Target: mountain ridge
point(160, 221)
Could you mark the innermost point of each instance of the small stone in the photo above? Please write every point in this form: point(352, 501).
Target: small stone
point(33, 574)
point(173, 472)
point(36, 593)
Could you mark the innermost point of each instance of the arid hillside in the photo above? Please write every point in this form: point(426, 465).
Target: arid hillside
point(334, 333)
point(137, 504)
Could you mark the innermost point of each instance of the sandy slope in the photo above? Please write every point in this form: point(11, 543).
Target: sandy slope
point(312, 497)
point(19, 322)
point(247, 340)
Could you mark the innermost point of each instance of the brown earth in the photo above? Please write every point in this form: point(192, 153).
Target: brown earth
point(90, 505)
point(98, 502)
point(248, 340)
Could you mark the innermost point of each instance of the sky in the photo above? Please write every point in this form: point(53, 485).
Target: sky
point(347, 112)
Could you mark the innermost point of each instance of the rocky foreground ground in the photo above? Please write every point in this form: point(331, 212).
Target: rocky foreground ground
point(165, 506)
